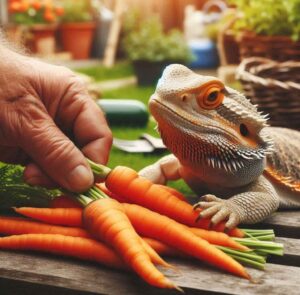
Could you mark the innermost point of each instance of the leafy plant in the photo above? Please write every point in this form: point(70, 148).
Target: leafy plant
point(146, 40)
point(77, 11)
point(269, 17)
point(15, 192)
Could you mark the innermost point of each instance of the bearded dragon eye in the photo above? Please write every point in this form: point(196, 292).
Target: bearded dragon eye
point(211, 95)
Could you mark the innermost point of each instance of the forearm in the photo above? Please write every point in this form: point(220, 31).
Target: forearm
point(260, 201)
point(165, 169)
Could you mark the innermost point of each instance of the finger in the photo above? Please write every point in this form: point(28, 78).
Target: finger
point(33, 175)
point(91, 132)
point(52, 150)
point(232, 222)
point(205, 205)
point(209, 212)
point(209, 198)
point(219, 216)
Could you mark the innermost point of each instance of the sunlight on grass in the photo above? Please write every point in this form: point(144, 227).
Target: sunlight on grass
point(101, 73)
point(133, 92)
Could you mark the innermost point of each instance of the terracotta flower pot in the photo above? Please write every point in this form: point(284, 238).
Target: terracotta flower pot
point(77, 38)
point(41, 38)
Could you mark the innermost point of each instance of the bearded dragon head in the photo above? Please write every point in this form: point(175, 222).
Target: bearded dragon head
point(203, 121)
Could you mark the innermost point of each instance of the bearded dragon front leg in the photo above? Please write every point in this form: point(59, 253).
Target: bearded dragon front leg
point(253, 205)
point(167, 168)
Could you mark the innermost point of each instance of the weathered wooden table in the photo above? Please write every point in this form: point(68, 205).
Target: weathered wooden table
point(32, 273)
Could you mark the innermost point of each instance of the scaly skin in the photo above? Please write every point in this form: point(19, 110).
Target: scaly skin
point(223, 149)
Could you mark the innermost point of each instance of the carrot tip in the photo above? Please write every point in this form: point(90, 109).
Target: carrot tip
point(247, 276)
point(178, 288)
point(167, 265)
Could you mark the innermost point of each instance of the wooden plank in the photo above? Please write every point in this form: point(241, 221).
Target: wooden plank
point(291, 252)
point(66, 276)
point(285, 223)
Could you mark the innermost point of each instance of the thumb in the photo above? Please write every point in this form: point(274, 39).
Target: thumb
point(58, 157)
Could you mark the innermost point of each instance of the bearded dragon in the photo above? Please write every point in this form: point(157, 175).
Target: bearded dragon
point(223, 148)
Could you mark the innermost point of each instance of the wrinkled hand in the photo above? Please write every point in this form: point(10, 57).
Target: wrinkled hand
point(218, 210)
point(43, 110)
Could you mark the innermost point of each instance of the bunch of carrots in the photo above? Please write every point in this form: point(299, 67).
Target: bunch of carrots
point(130, 225)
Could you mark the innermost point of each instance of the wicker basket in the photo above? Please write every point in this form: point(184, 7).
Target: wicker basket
point(274, 87)
point(280, 48)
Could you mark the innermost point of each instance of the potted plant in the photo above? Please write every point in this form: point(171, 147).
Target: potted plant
point(39, 20)
point(150, 49)
point(268, 28)
point(77, 28)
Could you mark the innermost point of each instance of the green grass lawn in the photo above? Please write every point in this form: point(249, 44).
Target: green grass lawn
point(134, 160)
point(101, 73)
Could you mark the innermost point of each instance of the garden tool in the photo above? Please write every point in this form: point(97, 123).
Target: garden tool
point(145, 144)
point(124, 112)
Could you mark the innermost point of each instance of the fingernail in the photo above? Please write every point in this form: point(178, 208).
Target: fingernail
point(80, 178)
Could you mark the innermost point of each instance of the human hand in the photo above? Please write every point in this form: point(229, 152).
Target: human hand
point(43, 110)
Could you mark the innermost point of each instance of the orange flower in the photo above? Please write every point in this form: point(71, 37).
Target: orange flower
point(49, 16)
point(14, 7)
point(36, 5)
point(24, 5)
point(59, 10)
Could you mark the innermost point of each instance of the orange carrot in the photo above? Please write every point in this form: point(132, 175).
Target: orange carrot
point(64, 202)
point(82, 248)
point(106, 219)
point(157, 223)
point(173, 191)
point(155, 258)
point(162, 248)
point(162, 228)
point(17, 225)
point(103, 187)
point(127, 184)
point(61, 216)
point(216, 238)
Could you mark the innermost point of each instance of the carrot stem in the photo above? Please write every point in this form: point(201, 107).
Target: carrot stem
point(98, 169)
point(251, 256)
point(249, 262)
point(260, 244)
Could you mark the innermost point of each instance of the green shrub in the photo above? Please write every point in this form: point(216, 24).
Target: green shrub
point(77, 11)
point(146, 40)
point(269, 17)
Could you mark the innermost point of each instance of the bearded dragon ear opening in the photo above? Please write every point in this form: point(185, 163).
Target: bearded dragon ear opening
point(244, 130)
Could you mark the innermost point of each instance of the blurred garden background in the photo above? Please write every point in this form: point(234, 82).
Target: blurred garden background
point(120, 48)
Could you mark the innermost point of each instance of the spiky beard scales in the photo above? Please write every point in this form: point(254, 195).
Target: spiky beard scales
point(213, 150)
